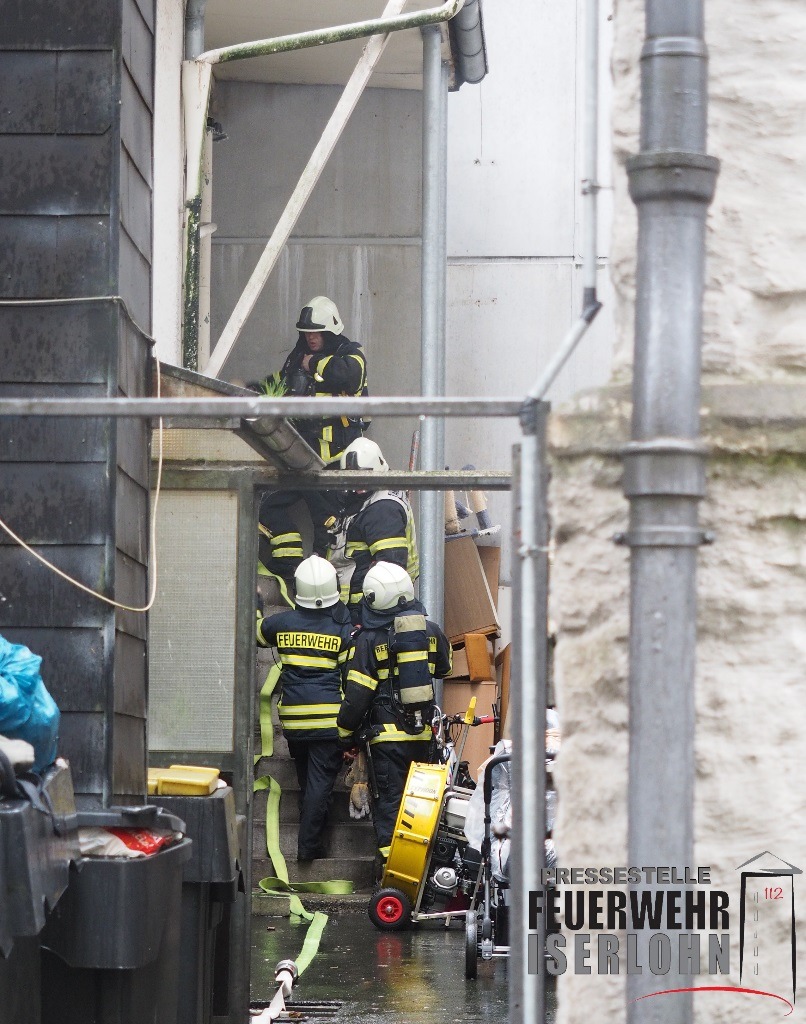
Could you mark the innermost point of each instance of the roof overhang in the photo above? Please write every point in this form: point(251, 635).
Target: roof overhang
point(238, 21)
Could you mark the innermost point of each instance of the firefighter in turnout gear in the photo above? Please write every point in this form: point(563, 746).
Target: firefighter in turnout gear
point(376, 526)
point(312, 643)
point(388, 692)
point(323, 363)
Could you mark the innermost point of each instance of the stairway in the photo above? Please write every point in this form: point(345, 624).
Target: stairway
point(350, 844)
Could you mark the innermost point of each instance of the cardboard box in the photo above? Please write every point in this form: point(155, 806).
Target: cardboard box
point(479, 657)
point(491, 564)
point(455, 698)
point(459, 669)
point(469, 607)
point(503, 663)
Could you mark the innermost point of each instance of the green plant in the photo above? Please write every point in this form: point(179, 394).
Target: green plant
point(274, 386)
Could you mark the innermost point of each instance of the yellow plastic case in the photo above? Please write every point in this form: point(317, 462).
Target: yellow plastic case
point(182, 780)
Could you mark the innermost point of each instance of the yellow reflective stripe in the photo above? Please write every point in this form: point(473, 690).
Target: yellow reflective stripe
point(383, 673)
point(356, 598)
point(308, 709)
point(356, 545)
point(304, 661)
point(344, 733)
point(259, 633)
point(286, 538)
point(417, 694)
point(384, 851)
point(354, 676)
point(287, 552)
point(343, 657)
point(407, 656)
point(264, 530)
point(385, 545)
point(401, 737)
point(321, 366)
point(324, 723)
point(363, 364)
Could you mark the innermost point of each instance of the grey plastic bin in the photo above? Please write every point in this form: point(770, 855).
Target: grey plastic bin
point(35, 853)
point(110, 949)
point(211, 884)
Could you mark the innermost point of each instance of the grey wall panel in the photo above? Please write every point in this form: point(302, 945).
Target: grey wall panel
point(86, 92)
point(64, 344)
point(52, 439)
point(54, 503)
point(131, 587)
point(47, 92)
point(135, 126)
point(137, 47)
point(54, 175)
point(131, 513)
point(27, 266)
point(134, 364)
point(128, 754)
point(135, 280)
point(147, 9)
point(135, 209)
point(70, 660)
point(82, 740)
point(33, 596)
point(369, 187)
point(133, 448)
point(130, 676)
point(58, 24)
point(29, 98)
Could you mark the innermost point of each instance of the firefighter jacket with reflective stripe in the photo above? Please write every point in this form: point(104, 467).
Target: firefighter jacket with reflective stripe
point(339, 370)
point(382, 531)
point(312, 645)
point(368, 693)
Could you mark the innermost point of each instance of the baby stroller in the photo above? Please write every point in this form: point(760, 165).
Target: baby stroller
point(487, 922)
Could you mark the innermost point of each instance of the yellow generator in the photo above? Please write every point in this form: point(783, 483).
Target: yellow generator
point(431, 872)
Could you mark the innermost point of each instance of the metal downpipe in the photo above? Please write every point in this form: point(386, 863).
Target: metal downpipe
point(671, 182)
point(194, 45)
point(432, 329)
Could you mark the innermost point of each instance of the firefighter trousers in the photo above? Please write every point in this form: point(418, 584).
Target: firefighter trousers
point(317, 763)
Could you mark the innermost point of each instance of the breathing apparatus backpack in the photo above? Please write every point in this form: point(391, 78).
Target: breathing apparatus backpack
point(410, 677)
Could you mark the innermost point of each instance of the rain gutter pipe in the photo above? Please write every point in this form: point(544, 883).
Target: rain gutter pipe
point(193, 271)
point(196, 77)
point(432, 321)
point(671, 181)
point(527, 996)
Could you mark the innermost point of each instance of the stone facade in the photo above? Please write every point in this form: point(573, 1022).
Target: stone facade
point(751, 709)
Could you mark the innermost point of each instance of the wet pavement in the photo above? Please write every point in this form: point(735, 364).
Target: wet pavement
point(411, 977)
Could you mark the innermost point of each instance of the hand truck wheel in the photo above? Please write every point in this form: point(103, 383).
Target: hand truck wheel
point(390, 910)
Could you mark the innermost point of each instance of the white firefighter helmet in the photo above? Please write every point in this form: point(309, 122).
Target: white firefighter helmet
point(363, 454)
point(387, 586)
point(317, 583)
point(320, 314)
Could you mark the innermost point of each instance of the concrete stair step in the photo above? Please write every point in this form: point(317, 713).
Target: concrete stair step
point(342, 842)
point(359, 870)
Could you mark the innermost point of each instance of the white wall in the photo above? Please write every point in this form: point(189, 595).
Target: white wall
point(514, 238)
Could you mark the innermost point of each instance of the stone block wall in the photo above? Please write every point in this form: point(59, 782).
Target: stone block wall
point(750, 693)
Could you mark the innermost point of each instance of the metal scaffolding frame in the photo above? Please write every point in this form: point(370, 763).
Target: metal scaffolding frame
point(530, 565)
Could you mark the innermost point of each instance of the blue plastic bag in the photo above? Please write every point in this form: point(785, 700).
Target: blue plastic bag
point(27, 710)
